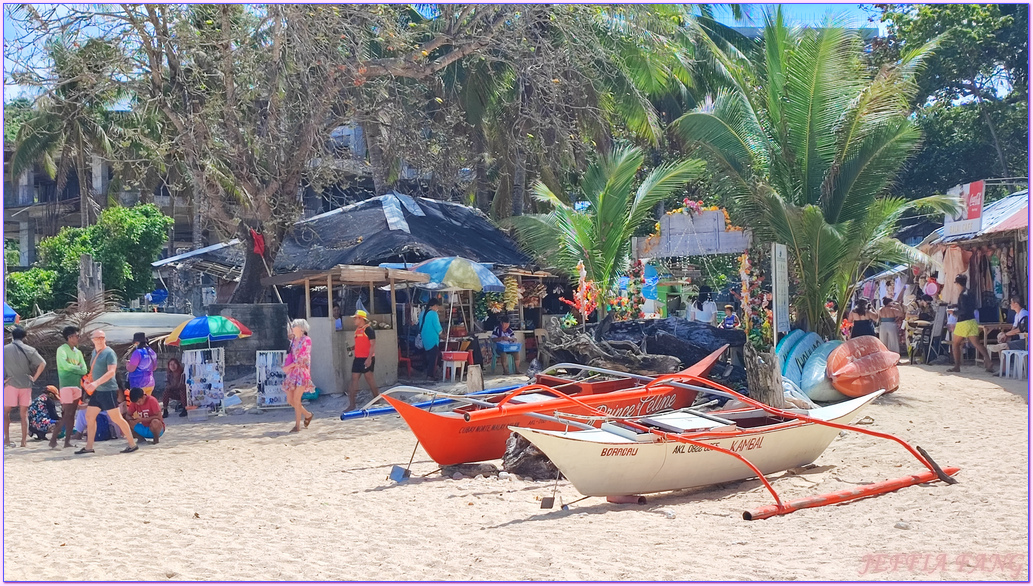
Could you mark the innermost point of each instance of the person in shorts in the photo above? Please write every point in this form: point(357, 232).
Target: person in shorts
point(145, 415)
point(22, 366)
point(365, 350)
point(71, 367)
point(966, 328)
point(102, 391)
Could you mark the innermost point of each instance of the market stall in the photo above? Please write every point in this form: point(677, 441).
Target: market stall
point(332, 348)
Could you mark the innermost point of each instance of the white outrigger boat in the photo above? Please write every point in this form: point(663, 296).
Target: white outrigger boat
point(688, 448)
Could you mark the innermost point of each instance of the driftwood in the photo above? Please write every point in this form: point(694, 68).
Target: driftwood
point(524, 459)
point(764, 376)
point(582, 347)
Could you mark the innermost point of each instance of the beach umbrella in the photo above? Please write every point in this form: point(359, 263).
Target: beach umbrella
point(207, 328)
point(11, 317)
point(461, 273)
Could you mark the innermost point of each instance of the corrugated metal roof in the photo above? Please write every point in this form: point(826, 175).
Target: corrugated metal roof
point(1010, 213)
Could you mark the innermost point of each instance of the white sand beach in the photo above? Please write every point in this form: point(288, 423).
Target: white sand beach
point(237, 498)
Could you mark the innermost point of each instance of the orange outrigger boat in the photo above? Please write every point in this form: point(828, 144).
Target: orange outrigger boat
point(478, 430)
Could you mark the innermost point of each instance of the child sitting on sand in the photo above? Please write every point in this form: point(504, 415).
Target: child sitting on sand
point(144, 414)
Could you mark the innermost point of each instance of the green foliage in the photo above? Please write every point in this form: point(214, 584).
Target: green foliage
point(810, 142)
point(980, 45)
point(12, 256)
point(600, 236)
point(29, 289)
point(16, 112)
point(957, 147)
point(124, 240)
point(972, 101)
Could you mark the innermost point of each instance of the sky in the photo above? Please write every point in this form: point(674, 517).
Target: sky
point(850, 15)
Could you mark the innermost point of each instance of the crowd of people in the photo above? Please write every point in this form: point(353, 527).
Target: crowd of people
point(961, 324)
point(93, 405)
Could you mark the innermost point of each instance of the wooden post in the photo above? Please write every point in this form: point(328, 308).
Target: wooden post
point(393, 307)
point(308, 300)
point(371, 312)
point(520, 304)
point(330, 301)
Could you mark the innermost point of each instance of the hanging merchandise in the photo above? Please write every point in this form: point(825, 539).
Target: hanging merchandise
point(512, 295)
point(954, 264)
point(998, 278)
point(270, 376)
point(204, 377)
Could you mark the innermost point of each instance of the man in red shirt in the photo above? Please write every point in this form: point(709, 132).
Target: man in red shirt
point(365, 350)
point(145, 415)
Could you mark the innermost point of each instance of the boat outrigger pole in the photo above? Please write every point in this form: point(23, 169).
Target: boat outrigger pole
point(695, 383)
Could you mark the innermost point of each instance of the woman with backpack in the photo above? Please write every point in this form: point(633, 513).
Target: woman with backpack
point(142, 363)
point(430, 336)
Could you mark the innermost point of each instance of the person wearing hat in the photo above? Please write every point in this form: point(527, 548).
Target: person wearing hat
point(365, 357)
point(43, 414)
point(22, 366)
point(102, 391)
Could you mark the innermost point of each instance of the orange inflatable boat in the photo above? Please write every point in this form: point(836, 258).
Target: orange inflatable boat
point(862, 366)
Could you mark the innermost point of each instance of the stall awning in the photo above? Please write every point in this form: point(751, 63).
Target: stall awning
point(1004, 215)
point(347, 275)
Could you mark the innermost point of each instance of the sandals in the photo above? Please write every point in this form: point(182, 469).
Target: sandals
point(309, 419)
point(130, 449)
point(84, 451)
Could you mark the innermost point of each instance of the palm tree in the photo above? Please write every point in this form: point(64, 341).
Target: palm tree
point(809, 143)
point(599, 234)
point(70, 124)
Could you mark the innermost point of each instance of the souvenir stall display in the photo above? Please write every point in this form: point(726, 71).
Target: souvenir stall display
point(270, 376)
point(204, 377)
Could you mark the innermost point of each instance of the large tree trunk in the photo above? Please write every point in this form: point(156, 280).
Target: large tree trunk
point(250, 289)
point(519, 181)
point(764, 376)
point(376, 159)
point(993, 131)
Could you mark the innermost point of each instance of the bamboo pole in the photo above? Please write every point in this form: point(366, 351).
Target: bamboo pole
point(393, 307)
point(330, 300)
point(308, 300)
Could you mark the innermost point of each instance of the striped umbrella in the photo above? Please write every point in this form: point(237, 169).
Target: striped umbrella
point(10, 315)
point(461, 273)
point(207, 328)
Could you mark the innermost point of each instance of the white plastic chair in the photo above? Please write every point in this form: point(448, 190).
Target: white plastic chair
point(1014, 363)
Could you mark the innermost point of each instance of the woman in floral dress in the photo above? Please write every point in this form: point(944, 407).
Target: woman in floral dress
point(297, 367)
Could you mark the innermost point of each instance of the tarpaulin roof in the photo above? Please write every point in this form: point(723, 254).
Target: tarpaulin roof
point(1010, 213)
point(381, 229)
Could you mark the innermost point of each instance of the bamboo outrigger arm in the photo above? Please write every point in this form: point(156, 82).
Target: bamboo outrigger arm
point(781, 508)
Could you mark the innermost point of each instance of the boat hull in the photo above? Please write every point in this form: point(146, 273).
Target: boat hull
point(448, 438)
point(598, 463)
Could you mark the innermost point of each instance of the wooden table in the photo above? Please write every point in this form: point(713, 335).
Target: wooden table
point(987, 328)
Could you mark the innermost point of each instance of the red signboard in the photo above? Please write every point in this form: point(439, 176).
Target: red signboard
point(970, 219)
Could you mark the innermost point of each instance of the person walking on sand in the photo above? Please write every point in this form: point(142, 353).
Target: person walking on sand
point(966, 328)
point(102, 391)
point(298, 367)
point(22, 366)
point(71, 367)
point(142, 363)
point(365, 357)
point(863, 320)
point(889, 331)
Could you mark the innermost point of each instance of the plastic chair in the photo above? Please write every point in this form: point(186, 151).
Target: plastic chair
point(1014, 364)
point(495, 357)
point(407, 362)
